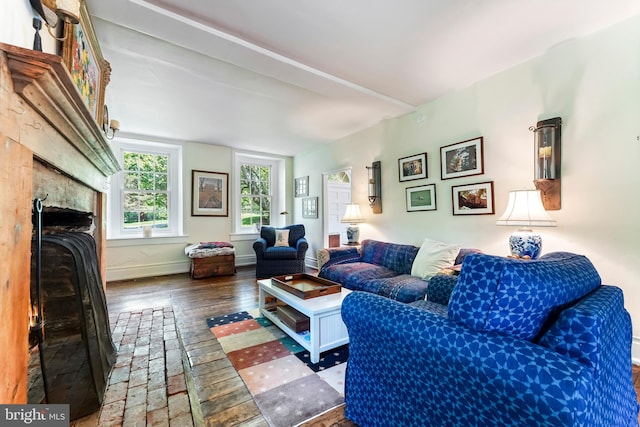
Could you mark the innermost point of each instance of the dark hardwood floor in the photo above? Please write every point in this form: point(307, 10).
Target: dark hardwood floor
point(219, 397)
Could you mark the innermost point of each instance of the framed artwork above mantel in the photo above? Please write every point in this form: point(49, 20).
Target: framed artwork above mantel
point(89, 70)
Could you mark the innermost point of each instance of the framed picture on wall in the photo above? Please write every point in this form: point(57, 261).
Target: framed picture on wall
point(473, 199)
point(301, 186)
point(462, 159)
point(421, 198)
point(413, 167)
point(83, 58)
point(310, 207)
point(209, 193)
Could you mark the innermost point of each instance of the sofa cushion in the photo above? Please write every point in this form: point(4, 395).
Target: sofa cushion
point(515, 297)
point(354, 275)
point(393, 256)
point(403, 287)
point(280, 252)
point(432, 257)
point(282, 238)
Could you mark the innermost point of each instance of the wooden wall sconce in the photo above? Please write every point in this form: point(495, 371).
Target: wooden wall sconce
point(547, 152)
point(375, 187)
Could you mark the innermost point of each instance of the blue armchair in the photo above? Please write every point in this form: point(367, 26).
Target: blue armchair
point(539, 343)
point(280, 251)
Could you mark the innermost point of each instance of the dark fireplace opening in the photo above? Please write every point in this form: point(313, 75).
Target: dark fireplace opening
point(71, 350)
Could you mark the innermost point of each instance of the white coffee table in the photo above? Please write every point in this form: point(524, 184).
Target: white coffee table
point(326, 328)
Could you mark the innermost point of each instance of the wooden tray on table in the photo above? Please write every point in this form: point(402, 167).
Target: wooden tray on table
point(306, 286)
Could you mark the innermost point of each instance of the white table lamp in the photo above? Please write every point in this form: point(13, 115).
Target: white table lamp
point(525, 209)
point(352, 216)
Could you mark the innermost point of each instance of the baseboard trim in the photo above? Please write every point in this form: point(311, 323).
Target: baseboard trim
point(635, 350)
point(148, 270)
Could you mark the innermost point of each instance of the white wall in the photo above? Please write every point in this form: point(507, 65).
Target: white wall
point(592, 83)
point(16, 26)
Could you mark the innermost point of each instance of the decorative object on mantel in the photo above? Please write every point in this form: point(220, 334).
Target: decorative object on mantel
point(462, 159)
point(473, 199)
point(547, 154)
point(525, 209)
point(375, 187)
point(413, 167)
point(352, 216)
point(82, 55)
point(37, 40)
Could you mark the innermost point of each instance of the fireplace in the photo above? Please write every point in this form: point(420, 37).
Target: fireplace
point(52, 148)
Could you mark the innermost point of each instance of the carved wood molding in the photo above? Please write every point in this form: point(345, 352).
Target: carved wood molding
point(44, 82)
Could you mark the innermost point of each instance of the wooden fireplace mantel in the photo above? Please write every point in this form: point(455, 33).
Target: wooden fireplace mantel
point(46, 131)
point(44, 82)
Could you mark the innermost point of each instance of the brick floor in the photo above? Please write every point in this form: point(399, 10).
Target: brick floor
point(147, 385)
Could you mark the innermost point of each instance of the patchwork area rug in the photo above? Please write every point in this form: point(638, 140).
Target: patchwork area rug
point(278, 372)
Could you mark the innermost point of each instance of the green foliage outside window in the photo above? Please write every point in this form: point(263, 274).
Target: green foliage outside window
point(145, 190)
point(255, 194)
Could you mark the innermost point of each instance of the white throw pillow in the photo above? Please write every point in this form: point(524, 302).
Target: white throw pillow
point(432, 257)
point(282, 238)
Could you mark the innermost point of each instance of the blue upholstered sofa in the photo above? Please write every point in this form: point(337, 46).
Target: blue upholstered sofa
point(526, 343)
point(273, 260)
point(381, 268)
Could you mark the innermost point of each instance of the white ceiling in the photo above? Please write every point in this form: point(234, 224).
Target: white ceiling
point(279, 76)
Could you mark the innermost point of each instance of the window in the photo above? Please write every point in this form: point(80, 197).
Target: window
point(145, 197)
point(259, 188)
point(255, 195)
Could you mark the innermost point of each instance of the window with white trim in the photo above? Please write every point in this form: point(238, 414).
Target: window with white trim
point(145, 198)
point(257, 185)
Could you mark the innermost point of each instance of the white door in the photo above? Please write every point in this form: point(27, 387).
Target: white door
point(337, 196)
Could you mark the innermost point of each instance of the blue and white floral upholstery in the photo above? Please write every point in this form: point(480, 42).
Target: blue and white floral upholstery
point(413, 365)
point(274, 260)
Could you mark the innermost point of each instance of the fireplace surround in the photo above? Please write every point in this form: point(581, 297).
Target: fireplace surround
point(51, 147)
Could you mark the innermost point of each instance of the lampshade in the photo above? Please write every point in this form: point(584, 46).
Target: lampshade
point(352, 214)
point(525, 209)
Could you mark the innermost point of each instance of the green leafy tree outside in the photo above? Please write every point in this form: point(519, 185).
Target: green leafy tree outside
point(145, 190)
point(255, 194)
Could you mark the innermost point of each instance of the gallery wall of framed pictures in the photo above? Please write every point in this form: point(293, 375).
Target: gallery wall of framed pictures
point(457, 160)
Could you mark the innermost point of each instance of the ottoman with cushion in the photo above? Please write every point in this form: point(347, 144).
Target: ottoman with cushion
point(210, 259)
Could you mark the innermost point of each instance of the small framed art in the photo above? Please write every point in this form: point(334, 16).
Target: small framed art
point(302, 186)
point(209, 193)
point(421, 198)
point(462, 159)
point(413, 167)
point(473, 199)
point(310, 207)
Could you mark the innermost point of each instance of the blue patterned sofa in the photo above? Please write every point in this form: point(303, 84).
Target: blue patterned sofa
point(526, 343)
point(381, 268)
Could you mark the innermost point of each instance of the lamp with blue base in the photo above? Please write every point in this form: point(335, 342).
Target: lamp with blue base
point(525, 209)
